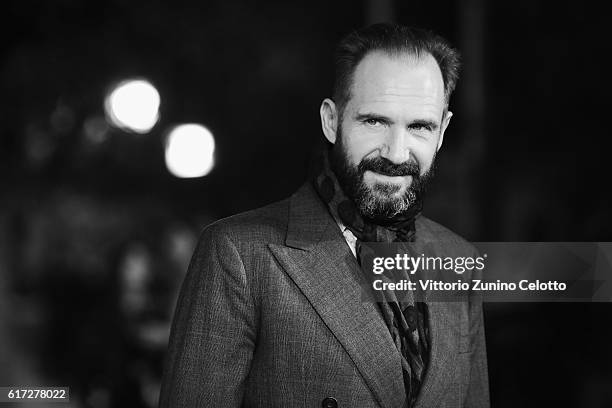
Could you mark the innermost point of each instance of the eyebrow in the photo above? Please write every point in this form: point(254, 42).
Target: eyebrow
point(418, 122)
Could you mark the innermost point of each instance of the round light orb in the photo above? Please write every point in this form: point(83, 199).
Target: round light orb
point(190, 151)
point(133, 105)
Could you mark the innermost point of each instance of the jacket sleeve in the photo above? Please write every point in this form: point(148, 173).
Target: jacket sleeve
point(213, 331)
point(478, 387)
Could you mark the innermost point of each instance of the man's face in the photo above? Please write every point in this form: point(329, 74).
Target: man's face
point(390, 131)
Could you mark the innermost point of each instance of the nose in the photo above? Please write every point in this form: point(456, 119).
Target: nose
point(396, 146)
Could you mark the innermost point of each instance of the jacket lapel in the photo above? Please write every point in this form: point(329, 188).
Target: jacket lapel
point(320, 263)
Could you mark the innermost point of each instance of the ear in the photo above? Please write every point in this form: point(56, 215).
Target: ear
point(329, 119)
point(445, 122)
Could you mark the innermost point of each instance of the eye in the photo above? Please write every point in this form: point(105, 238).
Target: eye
point(421, 127)
point(373, 122)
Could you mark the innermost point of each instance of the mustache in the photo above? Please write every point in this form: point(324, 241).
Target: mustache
point(386, 167)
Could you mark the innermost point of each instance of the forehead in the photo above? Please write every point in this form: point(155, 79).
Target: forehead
point(381, 80)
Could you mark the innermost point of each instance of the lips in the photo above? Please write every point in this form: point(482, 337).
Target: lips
point(375, 178)
point(391, 174)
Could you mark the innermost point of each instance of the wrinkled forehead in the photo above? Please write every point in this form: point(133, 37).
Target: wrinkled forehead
point(406, 77)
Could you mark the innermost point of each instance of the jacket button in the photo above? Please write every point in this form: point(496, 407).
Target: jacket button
point(329, 402)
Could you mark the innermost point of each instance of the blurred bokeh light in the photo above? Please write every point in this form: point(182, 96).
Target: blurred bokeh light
point(190, 151)
point(133, 105)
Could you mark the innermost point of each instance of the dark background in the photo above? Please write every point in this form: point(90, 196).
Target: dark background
point(95, 234)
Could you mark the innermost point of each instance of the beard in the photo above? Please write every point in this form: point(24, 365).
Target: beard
point(380, 202)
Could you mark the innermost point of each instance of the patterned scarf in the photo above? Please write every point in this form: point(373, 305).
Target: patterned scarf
point(406, 319)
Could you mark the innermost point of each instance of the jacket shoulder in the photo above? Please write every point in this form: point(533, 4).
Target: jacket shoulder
point(263, 225)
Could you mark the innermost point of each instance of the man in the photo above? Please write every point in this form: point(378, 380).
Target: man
point(271, 311)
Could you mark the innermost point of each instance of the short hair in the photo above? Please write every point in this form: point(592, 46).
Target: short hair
point(392, 39)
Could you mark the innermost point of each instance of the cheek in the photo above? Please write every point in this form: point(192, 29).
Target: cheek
point(360, 144)
point(424, 155)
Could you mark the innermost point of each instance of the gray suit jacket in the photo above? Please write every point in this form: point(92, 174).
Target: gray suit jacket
point(270, 315)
